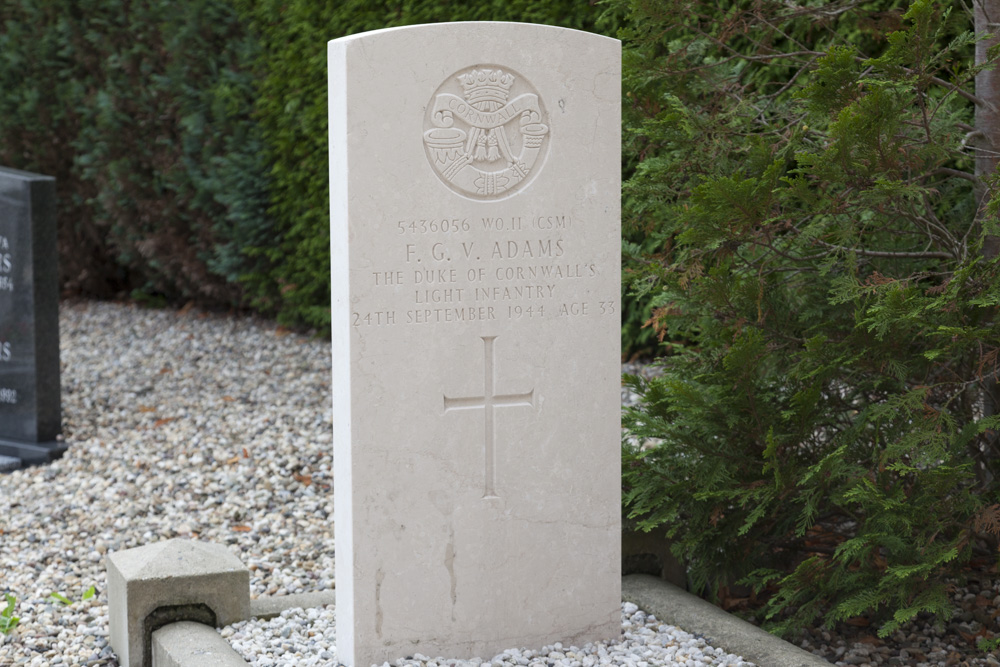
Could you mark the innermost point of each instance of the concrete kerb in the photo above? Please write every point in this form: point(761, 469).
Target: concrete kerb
point(192, 641)
point(190, 644)
point(719, 628)
point(269, 607)
point(167, 582)
point(667, 602)
point(165, 600)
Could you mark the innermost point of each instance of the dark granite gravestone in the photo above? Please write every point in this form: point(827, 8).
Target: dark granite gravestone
point(29, 320)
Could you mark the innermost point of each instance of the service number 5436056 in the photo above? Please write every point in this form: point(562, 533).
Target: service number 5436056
point(434, 226)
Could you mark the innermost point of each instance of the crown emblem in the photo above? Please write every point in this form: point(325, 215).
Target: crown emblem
point(485, 131)
point(487, 89)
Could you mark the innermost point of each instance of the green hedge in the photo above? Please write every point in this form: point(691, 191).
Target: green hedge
point(141, 110)
point(189, 138)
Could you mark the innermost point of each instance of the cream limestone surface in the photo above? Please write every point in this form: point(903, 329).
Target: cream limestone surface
point(475, 235)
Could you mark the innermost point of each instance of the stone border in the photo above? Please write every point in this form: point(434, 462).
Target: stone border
point(165, 598)
point(666, 601)
point(719, 628)
point(190, 644)
point(167, 582)
point(270, 606)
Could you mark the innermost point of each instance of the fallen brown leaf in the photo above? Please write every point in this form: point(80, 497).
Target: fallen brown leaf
point(972, 637)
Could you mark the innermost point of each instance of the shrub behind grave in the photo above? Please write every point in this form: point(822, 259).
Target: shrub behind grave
point(823, 425)
point(189, 138)
point(141, 111)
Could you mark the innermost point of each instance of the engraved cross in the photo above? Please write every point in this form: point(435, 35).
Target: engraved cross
point(488, 401)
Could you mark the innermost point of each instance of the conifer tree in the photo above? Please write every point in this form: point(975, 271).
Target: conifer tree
point(813, 217)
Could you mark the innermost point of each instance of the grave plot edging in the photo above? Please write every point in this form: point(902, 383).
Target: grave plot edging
point(719, 628)
point(268, 607)
point(190, 644)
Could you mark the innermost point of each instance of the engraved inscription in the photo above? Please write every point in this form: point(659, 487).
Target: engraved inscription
point(8, 396)
point(488, 401)
point(6, 267)
point(485, 133)
point(509, 266)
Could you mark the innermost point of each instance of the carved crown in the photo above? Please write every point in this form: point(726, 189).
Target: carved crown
point(487, 85)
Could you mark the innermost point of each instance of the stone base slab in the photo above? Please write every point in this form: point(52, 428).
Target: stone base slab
point(32, 453)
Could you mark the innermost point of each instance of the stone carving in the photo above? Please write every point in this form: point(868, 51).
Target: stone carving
point(476, 281)
point(486, 135)
point(488, 401)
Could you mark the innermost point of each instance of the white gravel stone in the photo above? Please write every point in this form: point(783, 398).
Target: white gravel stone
point(645, 642)
point(190, 425)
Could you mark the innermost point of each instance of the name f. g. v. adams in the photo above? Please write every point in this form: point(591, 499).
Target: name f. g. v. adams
point(496, 250)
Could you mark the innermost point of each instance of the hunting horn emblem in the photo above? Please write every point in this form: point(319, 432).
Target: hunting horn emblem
point(502, 140)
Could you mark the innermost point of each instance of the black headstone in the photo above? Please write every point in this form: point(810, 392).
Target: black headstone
point(30, 409)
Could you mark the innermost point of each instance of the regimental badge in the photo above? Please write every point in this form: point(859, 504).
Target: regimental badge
point(486, 132)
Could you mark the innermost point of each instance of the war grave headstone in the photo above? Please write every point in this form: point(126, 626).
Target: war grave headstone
point(30, 410)
point(475, 240)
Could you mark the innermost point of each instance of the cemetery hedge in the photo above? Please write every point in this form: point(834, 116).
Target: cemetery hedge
point(804, 213)
point(189, 138)
point(141, 110)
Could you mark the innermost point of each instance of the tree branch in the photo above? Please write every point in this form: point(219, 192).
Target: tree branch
point(961, 92)
point(889, 254)
point(957, 173)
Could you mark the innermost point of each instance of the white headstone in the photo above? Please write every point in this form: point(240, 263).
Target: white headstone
point(475, 239)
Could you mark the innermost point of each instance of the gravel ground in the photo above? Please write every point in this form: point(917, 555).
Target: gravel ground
point(181, 425)
point(305, 637)
point(218, 428)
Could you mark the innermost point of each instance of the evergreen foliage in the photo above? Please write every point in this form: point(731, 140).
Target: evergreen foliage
point(140, 109)
point(292, 112)
point(802, 216)
point(188, 139)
